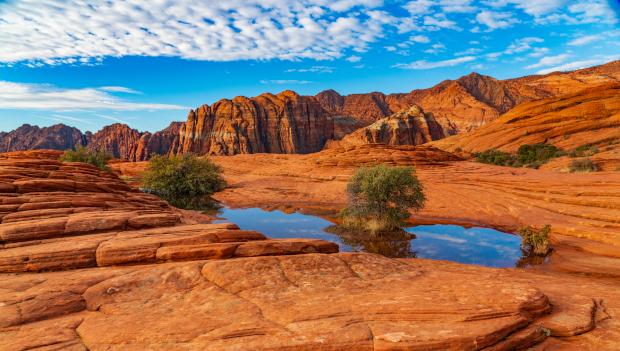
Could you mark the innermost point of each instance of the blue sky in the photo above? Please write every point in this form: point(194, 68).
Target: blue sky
point(146, 63)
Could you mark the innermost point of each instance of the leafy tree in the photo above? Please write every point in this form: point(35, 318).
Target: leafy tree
point(98, 159)
point(183, 179)
point(380, 198)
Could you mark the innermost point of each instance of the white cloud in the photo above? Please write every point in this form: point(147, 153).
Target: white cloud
point(48, 97)
point(522, 45)
point(538, 52)
point(439, 21)
point(592, 11)
point(117, 89)
point(496, 20)
point(64, 118)
point(419, 7)
point(549, 61)
point(354, 59)
point(436, 48)
point(584, 40)
point(111, 118)
point(75, 31)
point(457, 6)
point(470, 51)
point(423, 64)
point(420, 39)
point(575, 65)
point(531, 7)
point(313, 69)
point(284, 81)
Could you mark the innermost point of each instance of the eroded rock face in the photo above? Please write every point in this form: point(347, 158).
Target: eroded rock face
point(407, 127)
point(289, 123)
point(589, 117)
point(283, 123)
point(118, 139)
point(87, 263)
point(27, 137)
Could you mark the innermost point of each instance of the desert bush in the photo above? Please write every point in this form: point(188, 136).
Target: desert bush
point(380, 198)
point(98, 159)
point(535, 241)
point(537, 154)
point(528, 155)
point(496, 157)
point(183, 180)
point(584, 151)
point(583, 165)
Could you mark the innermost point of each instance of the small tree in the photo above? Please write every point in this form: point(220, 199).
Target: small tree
point(380, 198)
point(98, 159)
point(535, 241)
point(181, 179)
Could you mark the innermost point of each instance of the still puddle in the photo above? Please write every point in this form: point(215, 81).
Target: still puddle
point(480, 246)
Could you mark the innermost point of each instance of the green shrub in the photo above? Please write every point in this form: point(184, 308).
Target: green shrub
point(583, 165)
point(183, 180)
point(537, 153)
point(528, 155)
point(496, 157)
point(535, 242)
point(98, 159)
point(584, 151)
point(380, 198)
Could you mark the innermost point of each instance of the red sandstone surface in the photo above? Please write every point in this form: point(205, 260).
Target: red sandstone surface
point(90, 264)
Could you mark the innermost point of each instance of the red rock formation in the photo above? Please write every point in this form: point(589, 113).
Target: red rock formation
point(27, 137)
point(407, 127)
point(289, 123)
point(159, 143)
point(118, 139)
point(589, 117)
point(283, 123)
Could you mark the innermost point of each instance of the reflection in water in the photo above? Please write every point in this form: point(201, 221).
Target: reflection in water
point(442, 242)
point(199, 203)
point(391, 244)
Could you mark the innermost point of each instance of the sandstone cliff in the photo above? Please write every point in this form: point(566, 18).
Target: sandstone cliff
point(283, 123)
point(27, 137)
point(589, 117)
point(408, 127)
point(290, 123)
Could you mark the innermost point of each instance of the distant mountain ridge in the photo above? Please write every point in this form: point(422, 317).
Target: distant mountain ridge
point(290, 123)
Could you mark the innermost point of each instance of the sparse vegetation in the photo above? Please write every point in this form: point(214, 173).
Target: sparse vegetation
point(98, 159)
point(185, 181)
point(583, 165)
point(584, 151)
point(529, 155)
point(535, 241)
point(380, 198)
point(496, 157)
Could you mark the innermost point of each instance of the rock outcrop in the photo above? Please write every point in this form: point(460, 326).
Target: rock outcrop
point(27, 137)
point(589, 117)
point(87, 263)
point(158, 143)
point(283, 123)
point(118, 139)
point(408, 127)
point(290, 123)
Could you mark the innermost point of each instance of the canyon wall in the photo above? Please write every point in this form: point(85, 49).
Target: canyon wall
point(290, 123)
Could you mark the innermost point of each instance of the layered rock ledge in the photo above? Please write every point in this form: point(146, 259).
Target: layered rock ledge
point(101, 266)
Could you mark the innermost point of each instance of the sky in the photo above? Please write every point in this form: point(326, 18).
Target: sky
point(147, 62)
